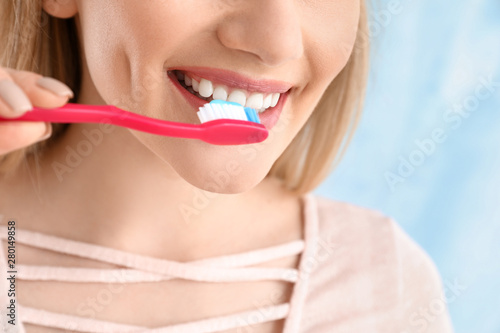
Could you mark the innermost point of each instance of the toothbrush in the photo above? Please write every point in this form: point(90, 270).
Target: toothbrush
point(222, 123)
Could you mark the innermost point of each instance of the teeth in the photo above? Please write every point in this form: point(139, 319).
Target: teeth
point(206, 88)
point(255, 101)
point(220, 93)
point(196, 85)
point(276, 98)
point(238, 96)
point(267, 101)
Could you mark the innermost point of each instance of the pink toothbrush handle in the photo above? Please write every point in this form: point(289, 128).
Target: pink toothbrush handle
point(220, 131)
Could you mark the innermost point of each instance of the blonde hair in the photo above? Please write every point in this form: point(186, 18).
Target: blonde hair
point(34, 41)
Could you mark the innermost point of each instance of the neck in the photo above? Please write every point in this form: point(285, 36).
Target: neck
point(111, 182)
point(102, 181)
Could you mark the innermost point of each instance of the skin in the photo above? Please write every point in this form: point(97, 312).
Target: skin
point(145, 190)
point(15, 135)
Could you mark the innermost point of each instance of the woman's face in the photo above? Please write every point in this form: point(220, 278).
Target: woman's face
point(251, 49)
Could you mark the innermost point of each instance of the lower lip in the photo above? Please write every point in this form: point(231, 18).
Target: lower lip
point(268, 118)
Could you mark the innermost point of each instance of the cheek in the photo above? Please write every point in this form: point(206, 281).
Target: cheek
point(104, 52)
point(329, 37)
point(126, 62)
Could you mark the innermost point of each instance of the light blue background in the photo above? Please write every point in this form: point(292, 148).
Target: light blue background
point(428, 58)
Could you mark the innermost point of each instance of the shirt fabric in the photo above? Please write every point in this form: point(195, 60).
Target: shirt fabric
point(358, 272)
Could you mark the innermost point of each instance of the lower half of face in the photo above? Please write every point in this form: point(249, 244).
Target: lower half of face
point(164, 58)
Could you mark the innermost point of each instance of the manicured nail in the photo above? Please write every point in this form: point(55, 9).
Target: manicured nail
point(55, 86)
point(14, 96)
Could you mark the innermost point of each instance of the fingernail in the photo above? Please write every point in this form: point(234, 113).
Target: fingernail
point(55, 86)
point(47, 134)
point(14, 96)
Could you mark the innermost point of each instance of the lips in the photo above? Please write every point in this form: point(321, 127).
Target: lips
point(208, 90)
point(227, 85)
point(236, 80)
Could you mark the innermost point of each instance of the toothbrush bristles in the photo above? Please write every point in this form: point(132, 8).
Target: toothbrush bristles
point(226, 110)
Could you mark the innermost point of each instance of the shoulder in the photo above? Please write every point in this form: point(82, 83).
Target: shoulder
point(366, 266)
point(370, 237)
point(366, 234)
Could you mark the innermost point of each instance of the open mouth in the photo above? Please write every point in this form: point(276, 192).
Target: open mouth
point(208, 91)
point(181, 78)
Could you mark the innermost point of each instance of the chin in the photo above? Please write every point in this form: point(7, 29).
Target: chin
point(216, 169)
point(229, 178)
point(224, 172)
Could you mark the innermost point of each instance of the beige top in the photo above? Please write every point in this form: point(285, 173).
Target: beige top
point(359, 272)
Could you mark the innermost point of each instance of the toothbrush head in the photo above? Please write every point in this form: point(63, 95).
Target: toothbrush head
point(218, 109)
point(229, 123)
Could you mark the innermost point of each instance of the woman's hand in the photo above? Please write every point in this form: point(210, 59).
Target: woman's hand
point(19, 92)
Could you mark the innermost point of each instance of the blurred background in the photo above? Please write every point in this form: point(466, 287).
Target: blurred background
point(427, 151)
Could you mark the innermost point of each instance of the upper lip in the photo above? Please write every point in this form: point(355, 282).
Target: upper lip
point(237, 80)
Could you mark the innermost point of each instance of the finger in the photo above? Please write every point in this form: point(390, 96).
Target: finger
point(42, 91)
point(13, 101)
point(17, 135)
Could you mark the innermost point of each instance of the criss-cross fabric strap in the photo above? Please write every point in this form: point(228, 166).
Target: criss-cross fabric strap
point(215, 324)
point(72, 274)
point(138, 268)
point(195, 272)
point(311, 238)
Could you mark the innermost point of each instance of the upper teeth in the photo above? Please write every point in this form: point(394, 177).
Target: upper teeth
point(206, 88)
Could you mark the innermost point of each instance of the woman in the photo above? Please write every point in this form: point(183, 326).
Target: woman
point(120, 231)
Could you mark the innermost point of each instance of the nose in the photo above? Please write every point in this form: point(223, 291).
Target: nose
point(269, 29)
